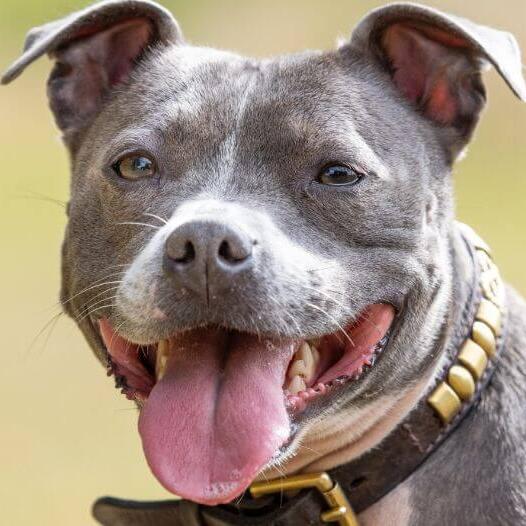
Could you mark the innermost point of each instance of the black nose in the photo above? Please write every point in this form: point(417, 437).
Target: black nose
point(207, 255)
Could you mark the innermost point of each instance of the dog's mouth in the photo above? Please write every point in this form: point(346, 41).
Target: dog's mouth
point(217, 404)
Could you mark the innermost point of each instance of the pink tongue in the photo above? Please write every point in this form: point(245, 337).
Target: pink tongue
point(218, 414)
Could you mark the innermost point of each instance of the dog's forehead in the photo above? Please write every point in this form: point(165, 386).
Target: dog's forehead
point(185, 83)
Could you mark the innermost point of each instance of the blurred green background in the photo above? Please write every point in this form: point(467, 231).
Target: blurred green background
point(66, 436)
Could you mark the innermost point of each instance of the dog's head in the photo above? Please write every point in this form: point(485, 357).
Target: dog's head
point(254, 245)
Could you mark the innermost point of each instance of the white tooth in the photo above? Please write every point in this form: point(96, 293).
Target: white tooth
point(297, 368)
point(161, 358)
point(296, 385)
point(305, 354)
point(305, 362)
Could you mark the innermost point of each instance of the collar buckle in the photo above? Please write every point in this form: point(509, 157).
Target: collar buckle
point(340, 510)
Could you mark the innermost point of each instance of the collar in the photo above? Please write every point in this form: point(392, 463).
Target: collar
point(337, 496)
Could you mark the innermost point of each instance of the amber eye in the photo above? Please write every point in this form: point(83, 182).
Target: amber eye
point(134, 167)
point(339, 175)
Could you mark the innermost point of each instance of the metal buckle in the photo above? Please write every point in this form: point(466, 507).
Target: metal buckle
point(340, 510)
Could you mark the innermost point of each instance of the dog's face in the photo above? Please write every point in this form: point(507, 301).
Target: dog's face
point(255, 245)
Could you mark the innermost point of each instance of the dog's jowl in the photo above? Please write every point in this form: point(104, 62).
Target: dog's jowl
point(263, 253)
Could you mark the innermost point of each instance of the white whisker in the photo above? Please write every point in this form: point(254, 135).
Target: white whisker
point(334, 320)
point(50, 324)
point(87, 308)
point(95, 310)
point(91, 288)
point(139, 224)
point(156, 217)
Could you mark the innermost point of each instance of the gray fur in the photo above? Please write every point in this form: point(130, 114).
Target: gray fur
point(244, 139)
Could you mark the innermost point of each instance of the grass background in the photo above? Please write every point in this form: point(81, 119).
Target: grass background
point(66, 436)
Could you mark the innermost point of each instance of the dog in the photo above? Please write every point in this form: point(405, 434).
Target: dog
point(264, 255)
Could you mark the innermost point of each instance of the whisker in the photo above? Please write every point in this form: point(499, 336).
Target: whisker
point(91, 288)
point(240, 498)
point(104, 292)
point(139, 224)
point(95, 310)
point(326, 295)
point(315, 289)
point(115, 333)
point(277, 467)
point(36, 196)
point(334, 320)
point(50, 324)
point(156, 217)
point(87, 308)
point(51, 329)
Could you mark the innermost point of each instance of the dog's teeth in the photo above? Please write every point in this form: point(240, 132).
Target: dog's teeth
point(304, 363)
point(161, 358)
point(298, 368)
point(296, 385)
point(305, 354)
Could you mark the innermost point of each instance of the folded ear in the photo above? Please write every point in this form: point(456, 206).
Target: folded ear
point(94, 50)
point(436, 60)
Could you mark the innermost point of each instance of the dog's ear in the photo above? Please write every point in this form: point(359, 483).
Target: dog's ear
point(435, 60)
point(94, 50)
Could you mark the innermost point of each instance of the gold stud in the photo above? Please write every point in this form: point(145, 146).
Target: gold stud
point(445, 402)
point(473, 358)
point(489, 313)
point(483, 336)
point(461, 381)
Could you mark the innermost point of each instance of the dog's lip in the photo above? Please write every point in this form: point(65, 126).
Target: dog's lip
point(140, 392)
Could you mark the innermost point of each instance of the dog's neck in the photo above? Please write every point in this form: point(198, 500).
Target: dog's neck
point(337, 440)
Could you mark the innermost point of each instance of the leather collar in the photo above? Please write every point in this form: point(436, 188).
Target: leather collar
point(473, 335)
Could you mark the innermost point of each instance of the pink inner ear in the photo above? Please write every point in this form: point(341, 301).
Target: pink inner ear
point(425, 64)
point(441, 104)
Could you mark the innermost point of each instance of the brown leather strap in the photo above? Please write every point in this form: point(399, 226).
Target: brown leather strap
point(364, 480)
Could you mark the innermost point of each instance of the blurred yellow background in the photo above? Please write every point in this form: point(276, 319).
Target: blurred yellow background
point(66, 435)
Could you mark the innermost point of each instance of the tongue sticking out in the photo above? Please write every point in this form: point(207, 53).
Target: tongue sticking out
point(217, 415)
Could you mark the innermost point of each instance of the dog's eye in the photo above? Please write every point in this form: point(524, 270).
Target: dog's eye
point(339, 175)
point(134, 167)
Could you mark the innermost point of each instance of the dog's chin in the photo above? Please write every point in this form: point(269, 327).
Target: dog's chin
point(218, 405)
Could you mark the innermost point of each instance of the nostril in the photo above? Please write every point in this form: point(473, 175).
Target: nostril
point(187, 255)
point(231, 253)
